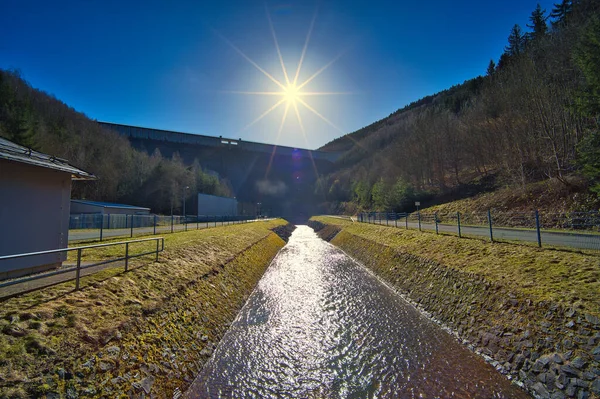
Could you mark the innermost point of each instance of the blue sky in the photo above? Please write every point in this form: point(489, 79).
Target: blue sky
point(169, 66)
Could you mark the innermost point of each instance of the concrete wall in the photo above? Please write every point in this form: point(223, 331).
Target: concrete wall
point(213, 205)
point(34, 215)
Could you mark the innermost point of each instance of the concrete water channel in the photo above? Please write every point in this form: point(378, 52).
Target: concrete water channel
point(319, 325)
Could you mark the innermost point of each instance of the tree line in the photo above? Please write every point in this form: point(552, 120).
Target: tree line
point(534, 115)
point(39, 121)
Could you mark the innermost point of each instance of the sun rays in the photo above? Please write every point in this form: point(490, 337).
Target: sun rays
point(291, 92)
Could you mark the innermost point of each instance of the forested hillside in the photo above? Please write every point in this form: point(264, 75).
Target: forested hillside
point(38, 120)
point(534, 116)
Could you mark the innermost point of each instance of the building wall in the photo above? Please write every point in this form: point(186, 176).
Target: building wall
point(213, 205)
point(34, 215)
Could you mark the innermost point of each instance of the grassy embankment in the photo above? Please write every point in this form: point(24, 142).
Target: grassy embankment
point(548, 196)
point(534, 312)
point(146, 331)
point(564, 277)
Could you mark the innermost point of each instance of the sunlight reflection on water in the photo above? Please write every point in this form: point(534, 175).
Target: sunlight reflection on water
point(319, 325)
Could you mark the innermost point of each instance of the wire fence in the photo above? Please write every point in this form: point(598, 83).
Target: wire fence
point(91, 227)
point(579, 230)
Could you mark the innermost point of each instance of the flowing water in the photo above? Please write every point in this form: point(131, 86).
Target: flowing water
point(319, 325)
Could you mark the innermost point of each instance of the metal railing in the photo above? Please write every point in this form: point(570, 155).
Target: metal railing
point(575, 230)
point(79, 267)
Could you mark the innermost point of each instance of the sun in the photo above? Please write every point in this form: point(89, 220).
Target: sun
point(291, 92)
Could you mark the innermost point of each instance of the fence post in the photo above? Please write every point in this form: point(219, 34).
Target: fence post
point(126, 256)
point(108, 221)
point(406, 220)
point(396, 219)
point(537, 227)
point(419, 215)
point(458, 223)
point(185, 222)
point(78, 272)
point(197, 221)
point(171, 223)
point(387, 219)
point(131, 235)
point(155, 224)
point(215, 220)
point(490, 222)
point(101, 225)
point(436, 223)
point(157, 250)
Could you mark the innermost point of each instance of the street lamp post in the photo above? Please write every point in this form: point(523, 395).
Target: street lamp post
point(185, 188)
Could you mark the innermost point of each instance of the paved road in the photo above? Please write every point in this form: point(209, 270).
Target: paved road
point(571, 240)
point(89, 235)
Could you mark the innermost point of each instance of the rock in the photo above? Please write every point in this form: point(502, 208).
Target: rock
point(579, 383)
point(117, 380)
point(547, 378)
point(556, 358)
point(592, 319)
point(113, 351)
point(583, 395)
point(61, 373)
point(89, 364)
point(569, 370)
point(595, 387)
point(557, 395)
point(541, 390)
point(537, 366)
point(570, 324)
point(571, 390)
point(146, 384)
point(71, 393)
point(106, 366)
point(578, 363)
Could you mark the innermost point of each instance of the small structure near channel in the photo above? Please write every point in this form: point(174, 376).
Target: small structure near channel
point(35, 191)
point(93, 215)
point(214, 205)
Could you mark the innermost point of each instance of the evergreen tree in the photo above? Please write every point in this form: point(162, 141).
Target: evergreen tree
point(491, 68)
point(538, 23)
point(561, 11)
point(503, 61)
point(516, 41)
point(587, 57)
point(379, 195)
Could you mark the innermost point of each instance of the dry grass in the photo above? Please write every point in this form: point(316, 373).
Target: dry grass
point(56, 326)
point(568, 278)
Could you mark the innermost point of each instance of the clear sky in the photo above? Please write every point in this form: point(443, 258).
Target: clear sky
point(172, 64)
